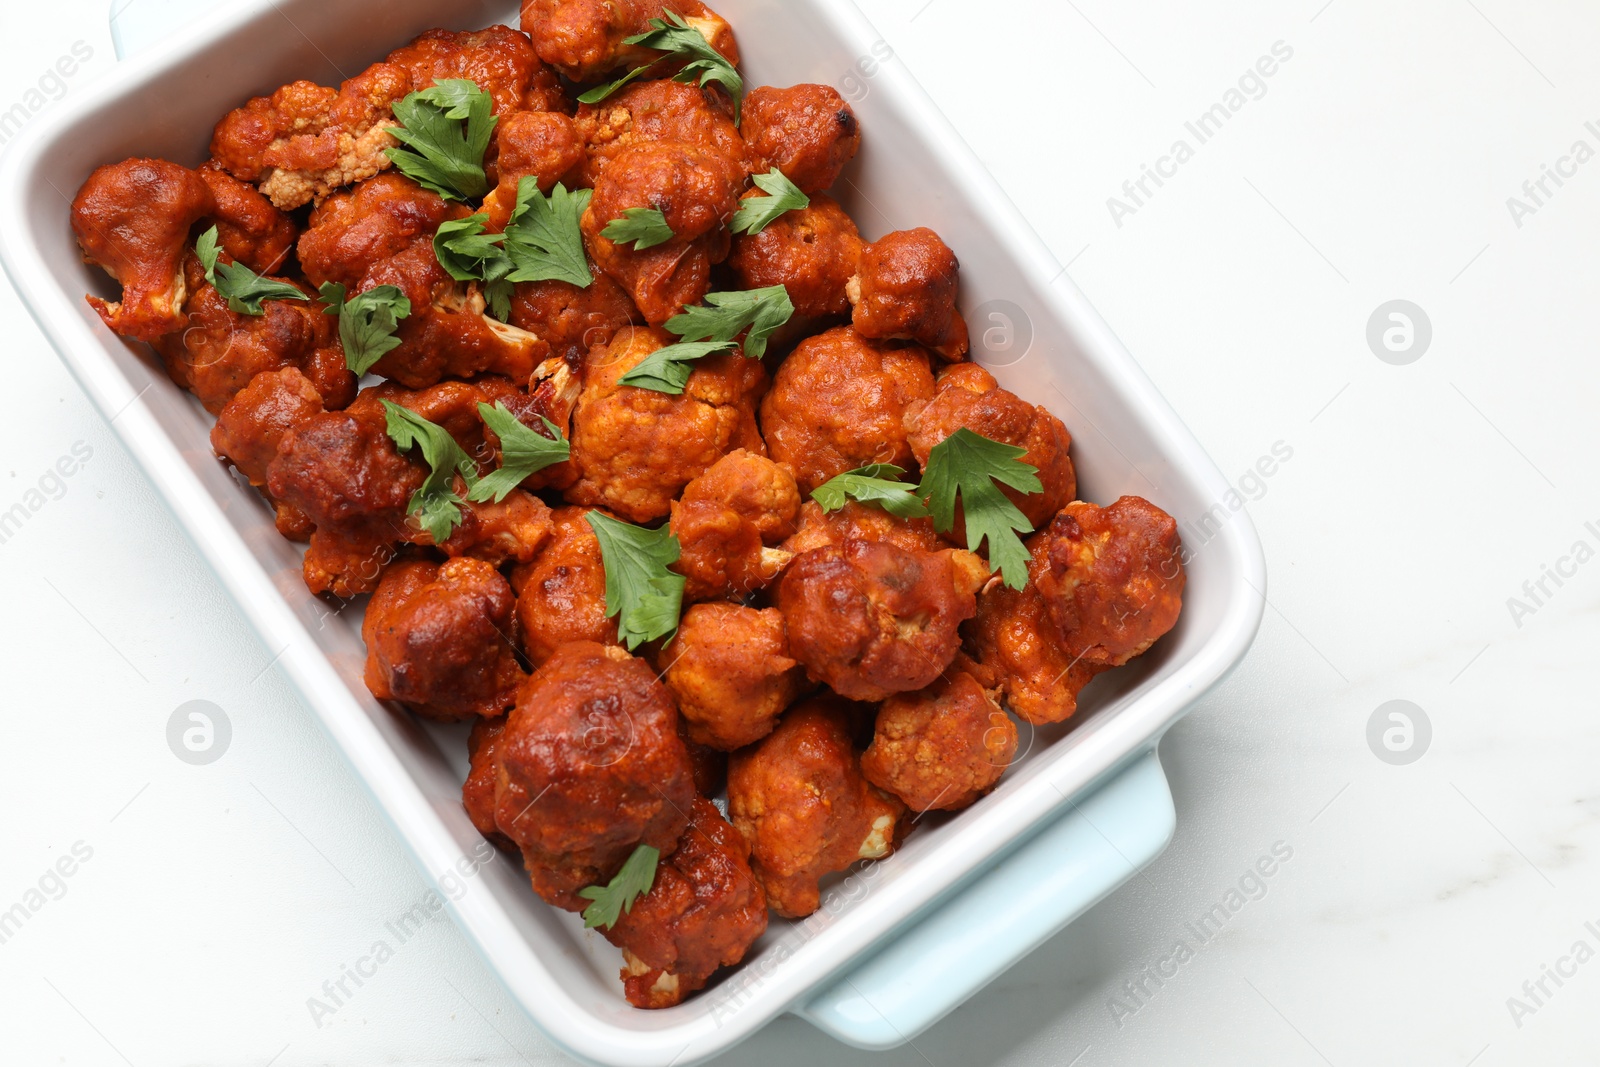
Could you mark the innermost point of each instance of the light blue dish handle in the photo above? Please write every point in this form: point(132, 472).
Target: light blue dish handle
point(138, 24)
point(1002, 915)
point(992, 922)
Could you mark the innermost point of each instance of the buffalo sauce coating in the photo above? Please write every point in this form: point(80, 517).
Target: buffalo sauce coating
point(703, 912)
point(801, 801)
point(589, 767)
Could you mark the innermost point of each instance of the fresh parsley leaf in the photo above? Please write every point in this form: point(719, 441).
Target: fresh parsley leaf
point(635, 879)
point(468, 254)
point(679, 41)
point(756, 213)
point(523, 451)
point(711, 329)
point(457, 96)
point(601, 92)
point(876, 483)
point(969, 464)
point(435, 503)
point(715, 69)
point(498, 296)
point(646, 227)
point(367, 322)
point(446, 129)
point(543, 238)
point(761, 311)
point(641, 594)
point(668, 370)
point(241, 287)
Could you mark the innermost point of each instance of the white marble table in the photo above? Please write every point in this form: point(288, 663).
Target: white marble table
point(1407, 904)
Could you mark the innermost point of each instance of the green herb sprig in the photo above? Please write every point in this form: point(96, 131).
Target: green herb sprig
point(680, 42)
point(709, 329)
point(446, 130)
point(643, 596)
point(727, 315)
point(756, 213)
point(367, 322)
point(523, 452)
point(669, 368)
point(241, 287)
point(436, 504)
point(972, 467)
point(543, 239)
point(468, 254)
point(645, 227)
point(877, 484)
point(637, 877)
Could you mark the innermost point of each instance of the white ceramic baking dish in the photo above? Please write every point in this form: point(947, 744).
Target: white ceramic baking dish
point(898, 944)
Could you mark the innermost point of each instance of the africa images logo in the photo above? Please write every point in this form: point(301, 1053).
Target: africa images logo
point(1536, 993)
point(1137, 992)
point(1252, 85)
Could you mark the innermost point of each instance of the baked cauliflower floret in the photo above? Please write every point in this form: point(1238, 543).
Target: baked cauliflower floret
point(696, 190)
point(249, 229)
point(449, 333)
point(285, 127)
point(906, 290)
point(941, 748)
point(808, 132)
point(727, 521)
point(730, 669)
point(220, 350)
point(589, 768)
point(451, 405)
point(800, 800)
point(1111, 578)
point(552, 394)
point(133, 220)
point(969, 398)
point(661, 281)
point(812, 252)
point(306, 140)
point(344, 474)
point(542, 145)
point(869, 619)
point(1103, 585)
point(861, 522)
point(1017, 650)
point(636, 448)
point(561, 594)
point(653, 112)
point(355, 229)
point(251, 425)
point(441, 639)
point(839, 402)
point(512, 530)
point(499, 60)
point(583, 39)
point(572, 320)
point(704, 911)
